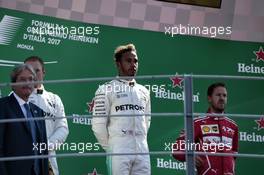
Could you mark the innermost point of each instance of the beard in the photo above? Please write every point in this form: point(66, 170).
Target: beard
point(218, 108)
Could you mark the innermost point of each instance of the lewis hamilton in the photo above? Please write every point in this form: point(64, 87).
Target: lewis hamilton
point(120, 121)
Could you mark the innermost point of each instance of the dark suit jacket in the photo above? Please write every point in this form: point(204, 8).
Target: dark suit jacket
point(16, 139)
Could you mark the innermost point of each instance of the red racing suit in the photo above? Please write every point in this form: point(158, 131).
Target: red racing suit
point(212, 134)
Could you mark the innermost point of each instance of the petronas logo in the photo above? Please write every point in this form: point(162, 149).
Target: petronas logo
point(8, 28)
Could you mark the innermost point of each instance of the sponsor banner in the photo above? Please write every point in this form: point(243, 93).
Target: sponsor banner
point(257, 64)
point(75, 50)
point(255, 136)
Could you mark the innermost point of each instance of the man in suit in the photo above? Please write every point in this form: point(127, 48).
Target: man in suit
point(22, 138)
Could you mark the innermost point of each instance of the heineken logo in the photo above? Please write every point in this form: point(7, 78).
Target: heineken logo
point(174, 90)
point(253, 136)
point(162, 163)
point(251, 68)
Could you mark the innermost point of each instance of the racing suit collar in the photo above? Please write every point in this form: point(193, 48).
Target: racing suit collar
point(130, 83)
point(39, 90)
point(215, 117)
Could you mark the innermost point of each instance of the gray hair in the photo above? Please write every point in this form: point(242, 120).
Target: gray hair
point(18, 69)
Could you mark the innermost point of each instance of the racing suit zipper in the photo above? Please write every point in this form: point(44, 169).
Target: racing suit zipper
point(134, 117)
point(221, 140)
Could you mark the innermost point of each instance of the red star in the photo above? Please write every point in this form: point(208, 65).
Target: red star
point(259, 54)
point(177, 81)
point(260, 123)
point(93, 173)
point(91, 106)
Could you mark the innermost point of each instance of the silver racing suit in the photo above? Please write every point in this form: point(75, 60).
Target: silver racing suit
point(123, 134)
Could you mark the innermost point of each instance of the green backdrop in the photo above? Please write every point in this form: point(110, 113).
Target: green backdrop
point(158, 54)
